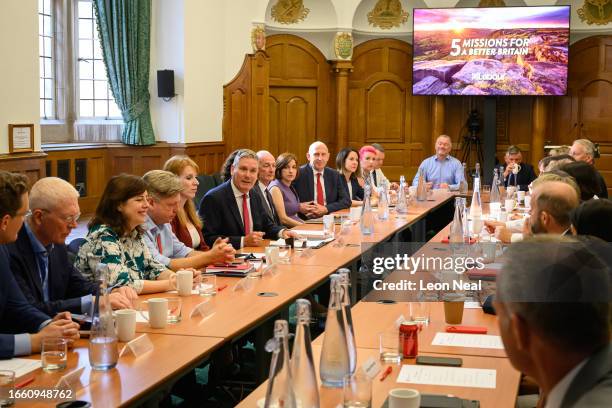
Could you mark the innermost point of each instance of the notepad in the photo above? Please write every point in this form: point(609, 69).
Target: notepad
point(447, 376)
point(21, 366)
point(310, 233)
point(468, 340)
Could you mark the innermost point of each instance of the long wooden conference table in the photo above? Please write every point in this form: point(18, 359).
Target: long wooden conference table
point(182, 346)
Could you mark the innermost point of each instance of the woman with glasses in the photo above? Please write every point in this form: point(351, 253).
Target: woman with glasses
point(115, 238)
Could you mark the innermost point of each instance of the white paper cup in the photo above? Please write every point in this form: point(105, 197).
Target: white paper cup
point(494, 209)
point(509, 204)
point(158, 312)
point(126, 324)
point(520, 196)
point(184, 282)
point(404, 398)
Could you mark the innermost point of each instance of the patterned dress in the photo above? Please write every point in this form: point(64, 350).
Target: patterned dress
point(128, 258)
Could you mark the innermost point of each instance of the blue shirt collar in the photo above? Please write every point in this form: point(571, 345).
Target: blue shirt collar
point(435, 157)
point(37, 247)
point(150, 225)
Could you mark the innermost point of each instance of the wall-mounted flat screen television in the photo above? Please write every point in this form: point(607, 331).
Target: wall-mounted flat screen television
point(491, 51)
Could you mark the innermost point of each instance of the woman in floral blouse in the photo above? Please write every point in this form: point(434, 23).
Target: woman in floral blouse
point(115, 239)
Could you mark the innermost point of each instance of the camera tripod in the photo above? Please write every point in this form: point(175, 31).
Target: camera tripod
point(471, 143)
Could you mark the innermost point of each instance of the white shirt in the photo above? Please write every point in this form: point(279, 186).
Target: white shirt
point(314, 174)
point(238, 195)
point(263, 189)
point(350, 188)
point(555, 398)
point(195, 237)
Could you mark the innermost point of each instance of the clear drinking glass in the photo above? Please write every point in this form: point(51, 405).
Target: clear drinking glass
point(389, 347)
point(7, 388)
point(207, 285)
point(284, 254)
point(174, 310)
point(54, 354)
point(420, 312)
point(357, 391)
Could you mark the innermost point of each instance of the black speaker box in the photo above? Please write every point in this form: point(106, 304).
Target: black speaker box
point(165, 83)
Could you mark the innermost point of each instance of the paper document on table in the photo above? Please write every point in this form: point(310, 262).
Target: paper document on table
point(21, 366)
point(471, 305)
point(310, 233)
point(142, 319)
point(468, 340)
point(447, 376)
point(193, 292)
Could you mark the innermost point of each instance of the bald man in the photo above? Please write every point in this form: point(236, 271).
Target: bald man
point(267, 168)
point(551, 205)
point(584, 150)
point(319, 187)
point(441, 170)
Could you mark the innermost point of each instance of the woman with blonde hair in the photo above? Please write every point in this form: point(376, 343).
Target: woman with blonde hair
point(187, 225)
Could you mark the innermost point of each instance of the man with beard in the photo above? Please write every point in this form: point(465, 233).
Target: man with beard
point(551, 204)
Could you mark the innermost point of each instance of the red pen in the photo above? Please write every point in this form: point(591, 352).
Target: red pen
point(24, 382)
point(221, 288)
point(386, 373)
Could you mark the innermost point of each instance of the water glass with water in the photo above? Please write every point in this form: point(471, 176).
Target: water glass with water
point(357, 390)
point(420, 312)
point(174, 310)
point(388, 347)
point(54, 354)
point(7, 388)
point(208, 285)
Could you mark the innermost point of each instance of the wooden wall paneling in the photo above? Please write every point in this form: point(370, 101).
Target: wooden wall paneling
point(30, 164)
point(382, 108)
point(209, 156)
point(236, 104)
point(300, 96)
point(587, 110)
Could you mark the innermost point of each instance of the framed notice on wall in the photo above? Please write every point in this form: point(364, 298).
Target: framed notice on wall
point(21, 138)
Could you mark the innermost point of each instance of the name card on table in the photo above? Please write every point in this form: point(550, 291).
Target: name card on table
point(371, 367)
point(203, 309)
point(139, 346)
point(71, 381)
point(468, 340)
point(447, 376)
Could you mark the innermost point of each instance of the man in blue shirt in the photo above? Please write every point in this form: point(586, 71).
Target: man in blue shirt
point(441, 170)
point(39, 258)
point(17, 317)
point(164, 190)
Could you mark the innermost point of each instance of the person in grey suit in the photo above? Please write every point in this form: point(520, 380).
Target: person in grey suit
point(553, 302)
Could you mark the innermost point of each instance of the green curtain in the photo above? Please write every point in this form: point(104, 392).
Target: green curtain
point(124, 28)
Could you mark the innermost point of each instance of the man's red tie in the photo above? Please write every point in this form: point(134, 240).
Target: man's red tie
point(159, 244)
point(320, 199)
point(245, 215)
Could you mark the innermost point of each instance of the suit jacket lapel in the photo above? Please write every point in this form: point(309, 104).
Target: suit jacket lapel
point(233, 205)
point(310, 182)
point(329, 185)
point(25, 249)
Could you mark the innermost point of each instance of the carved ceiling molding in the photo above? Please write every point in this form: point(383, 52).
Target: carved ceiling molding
point(597, 12)
point(387, 14)
point(289, 11)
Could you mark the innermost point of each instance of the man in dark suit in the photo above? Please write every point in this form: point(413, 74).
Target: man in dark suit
point(232, 210)
point(553, 304)
point(39, 259)
point(267, 167)
point(319, 187)
point(17, 317)
point(525, 174)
